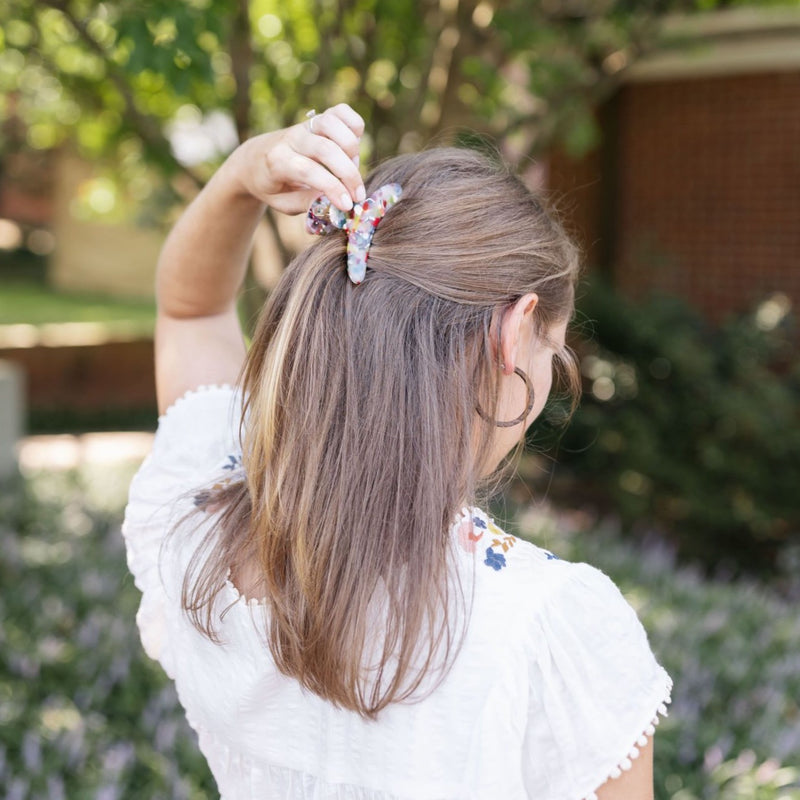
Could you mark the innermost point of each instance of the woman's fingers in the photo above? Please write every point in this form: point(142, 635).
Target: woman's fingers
point(334, 145)
point(349, 117)
point(343, 126)
point(334, 158)
point(313, 159)
point(333, 128)
point(293, 202)
point(306, 171)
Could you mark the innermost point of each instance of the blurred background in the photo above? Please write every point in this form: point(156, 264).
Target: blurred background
point(666, 133)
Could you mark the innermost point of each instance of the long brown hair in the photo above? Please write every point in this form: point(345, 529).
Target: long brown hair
point(360, 435)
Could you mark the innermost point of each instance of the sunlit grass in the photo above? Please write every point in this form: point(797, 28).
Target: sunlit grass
point(34, 303)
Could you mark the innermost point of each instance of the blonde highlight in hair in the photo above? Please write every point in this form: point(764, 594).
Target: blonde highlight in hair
point(360, 435)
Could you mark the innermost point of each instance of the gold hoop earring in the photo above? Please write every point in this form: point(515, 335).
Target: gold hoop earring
point(528, 406)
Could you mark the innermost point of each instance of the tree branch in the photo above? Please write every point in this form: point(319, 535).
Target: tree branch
point(269, 216)
point(145, 126)
point(422, 89)
point(241, 60)
point(466, 40)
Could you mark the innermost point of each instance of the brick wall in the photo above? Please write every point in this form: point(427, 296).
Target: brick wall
point(699, 189)
point(96, 378)
point(577, 190)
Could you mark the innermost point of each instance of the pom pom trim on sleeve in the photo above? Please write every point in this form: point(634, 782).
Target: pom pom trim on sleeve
point(626, 763)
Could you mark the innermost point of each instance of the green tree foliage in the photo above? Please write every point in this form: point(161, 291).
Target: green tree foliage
point(112, 76)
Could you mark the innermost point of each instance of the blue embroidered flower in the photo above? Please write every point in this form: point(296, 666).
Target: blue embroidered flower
point(201, 499)
point(478, 523)
point(234, 462)
point(494, 560)
point(232, 465)
point(551, 557)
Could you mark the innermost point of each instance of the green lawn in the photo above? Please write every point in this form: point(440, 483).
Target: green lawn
point(36, 304)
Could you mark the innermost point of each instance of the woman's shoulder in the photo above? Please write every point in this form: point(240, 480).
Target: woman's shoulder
point(196, 438)
point(553, 598)
point(509, 563)
point(195, 448)
point(592, 677)
point(206, 417)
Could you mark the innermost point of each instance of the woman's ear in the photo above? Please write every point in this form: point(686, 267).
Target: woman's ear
point(506, 329)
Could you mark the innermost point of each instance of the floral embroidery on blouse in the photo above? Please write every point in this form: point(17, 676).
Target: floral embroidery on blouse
point(233, 465)
point(500, 541)
point(234, 462)
point(471, 531)
point(468, 536)
point(494, 560)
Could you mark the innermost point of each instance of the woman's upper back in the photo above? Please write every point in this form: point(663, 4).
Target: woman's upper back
point(551, 690)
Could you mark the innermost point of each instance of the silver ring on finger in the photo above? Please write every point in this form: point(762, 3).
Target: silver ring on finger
point(311, 115)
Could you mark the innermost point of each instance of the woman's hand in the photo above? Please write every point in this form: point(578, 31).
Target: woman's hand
point(203, 262)
point(287, 169)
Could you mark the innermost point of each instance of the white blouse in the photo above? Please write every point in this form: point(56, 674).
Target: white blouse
point(553, 691)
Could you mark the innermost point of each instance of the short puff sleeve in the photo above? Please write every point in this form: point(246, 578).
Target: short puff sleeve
point(596, 688)
point(197, 439)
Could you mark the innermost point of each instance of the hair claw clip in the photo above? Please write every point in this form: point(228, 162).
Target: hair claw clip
point(359, 223)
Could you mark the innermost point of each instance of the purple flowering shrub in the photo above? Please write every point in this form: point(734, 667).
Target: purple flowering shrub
point(84, 713)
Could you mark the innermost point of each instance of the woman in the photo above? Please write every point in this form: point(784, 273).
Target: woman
point(340, 618)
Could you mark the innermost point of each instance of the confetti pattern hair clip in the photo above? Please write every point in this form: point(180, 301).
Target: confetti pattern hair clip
point(359, 223)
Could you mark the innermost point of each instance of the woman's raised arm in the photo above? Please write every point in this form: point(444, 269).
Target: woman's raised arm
point(203, 262)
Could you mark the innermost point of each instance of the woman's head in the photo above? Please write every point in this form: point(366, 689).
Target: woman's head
point(470, 234)
point(366, 421)
point(466, 242)
point(468, 231)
